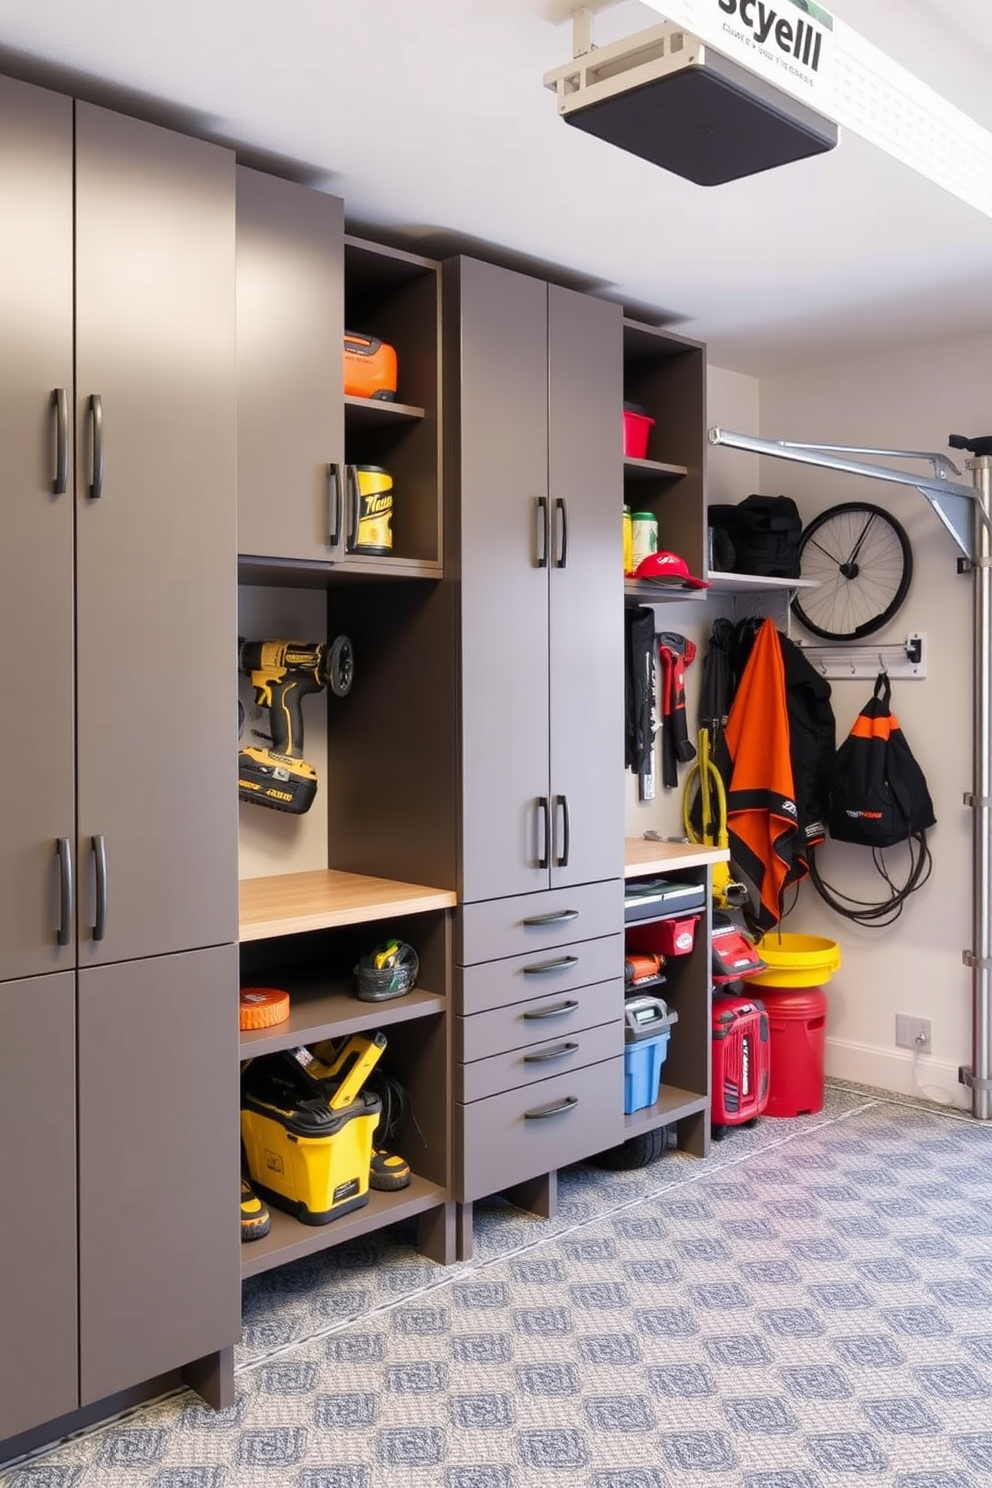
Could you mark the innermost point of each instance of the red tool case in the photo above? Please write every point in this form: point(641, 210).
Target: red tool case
point(741, 1061)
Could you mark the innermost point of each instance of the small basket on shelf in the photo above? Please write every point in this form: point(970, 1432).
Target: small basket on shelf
point(390, 970)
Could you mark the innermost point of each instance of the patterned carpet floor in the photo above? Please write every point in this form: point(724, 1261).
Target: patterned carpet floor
point(808, 1307)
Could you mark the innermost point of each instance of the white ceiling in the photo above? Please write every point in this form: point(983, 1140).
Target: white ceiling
point(429, 117)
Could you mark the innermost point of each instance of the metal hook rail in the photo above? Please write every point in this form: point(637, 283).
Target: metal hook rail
point(846, 661)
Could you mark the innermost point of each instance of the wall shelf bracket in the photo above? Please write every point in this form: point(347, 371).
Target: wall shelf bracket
point(953, 503)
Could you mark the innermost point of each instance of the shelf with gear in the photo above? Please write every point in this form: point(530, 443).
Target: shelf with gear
point(345, 675)
point(308, 933)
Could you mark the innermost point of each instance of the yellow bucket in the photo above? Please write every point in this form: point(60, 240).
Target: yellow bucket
point(796, 960)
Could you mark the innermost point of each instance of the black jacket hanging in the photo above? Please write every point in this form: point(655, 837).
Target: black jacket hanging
point(879, 795)
point(639, 689)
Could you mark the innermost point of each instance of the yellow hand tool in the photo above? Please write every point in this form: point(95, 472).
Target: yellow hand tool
point(704, 777)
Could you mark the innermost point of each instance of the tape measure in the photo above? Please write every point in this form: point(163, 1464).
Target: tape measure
point(262, 1007)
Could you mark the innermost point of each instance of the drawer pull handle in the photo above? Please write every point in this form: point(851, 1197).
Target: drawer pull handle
point(559, 1052)
point(557, 1011)
point(555, 1109)
point(560, 963)
point(556, 917)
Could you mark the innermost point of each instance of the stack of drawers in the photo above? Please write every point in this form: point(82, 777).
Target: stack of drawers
point(539, 1035)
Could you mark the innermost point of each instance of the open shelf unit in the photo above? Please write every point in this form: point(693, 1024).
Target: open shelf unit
point(665, 374)
point(684, 1095)
point(304, 932)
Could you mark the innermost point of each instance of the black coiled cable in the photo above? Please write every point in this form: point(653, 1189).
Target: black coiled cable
point(887, 911)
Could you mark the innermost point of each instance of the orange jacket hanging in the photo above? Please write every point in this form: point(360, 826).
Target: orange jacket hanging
point(766, 842)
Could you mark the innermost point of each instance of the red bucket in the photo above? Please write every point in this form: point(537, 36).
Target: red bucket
point(636, 428)
point(797, 1020)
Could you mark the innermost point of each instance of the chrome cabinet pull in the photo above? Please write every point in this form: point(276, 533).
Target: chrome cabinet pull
point(555, 917)
point(543, 806)
point(96, 417)
point(100, 858)
point(334, 505)
point(562, 559)
point(561, 804)
point(63, 848)
point(544, 534)
point(60, 402)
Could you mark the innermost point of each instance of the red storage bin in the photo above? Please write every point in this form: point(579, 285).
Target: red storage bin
point(671, 937)
point(637, 425)
point(797, 1019)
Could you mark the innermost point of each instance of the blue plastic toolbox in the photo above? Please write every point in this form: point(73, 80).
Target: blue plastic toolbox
point(648, 1029)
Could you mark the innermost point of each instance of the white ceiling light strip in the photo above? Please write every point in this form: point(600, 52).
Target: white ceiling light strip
point(864, 91)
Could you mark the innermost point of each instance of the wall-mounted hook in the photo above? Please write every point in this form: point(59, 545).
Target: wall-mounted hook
point(881, 662)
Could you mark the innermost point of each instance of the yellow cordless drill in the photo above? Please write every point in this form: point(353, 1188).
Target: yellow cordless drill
point(283, 673)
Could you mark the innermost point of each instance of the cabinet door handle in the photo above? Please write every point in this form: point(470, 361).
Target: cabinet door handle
point(557, 1011)
point(351, 482)
point(543, 532)
point(63, 847)
point(100, 859)
point(60, 402)
point(558, 964)
point(558, 1052)
point(554, 1109)
point(561, 804)
point(556, 917)
point(334, 505)
point(96, 420)
point(544, 861)
point(561, 560)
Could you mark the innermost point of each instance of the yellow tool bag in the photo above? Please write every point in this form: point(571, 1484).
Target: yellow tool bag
point(303, 1157)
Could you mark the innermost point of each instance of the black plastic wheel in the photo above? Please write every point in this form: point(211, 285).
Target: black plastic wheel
point(636, 1152)
point(861, 557)
point(341, 666)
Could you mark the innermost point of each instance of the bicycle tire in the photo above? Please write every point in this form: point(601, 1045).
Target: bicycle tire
point(855, 598)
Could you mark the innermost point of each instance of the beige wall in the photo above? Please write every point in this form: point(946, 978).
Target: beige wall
point(910, 400)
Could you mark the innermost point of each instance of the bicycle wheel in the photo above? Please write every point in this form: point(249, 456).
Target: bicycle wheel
point(861, 558)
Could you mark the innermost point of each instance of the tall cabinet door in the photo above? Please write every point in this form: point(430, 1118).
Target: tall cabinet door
point(37, 805)
point(290, 278)
point(156, 555)
point(585, 396)
point(504, 544)
point(159, 1272)
point(38, 1352)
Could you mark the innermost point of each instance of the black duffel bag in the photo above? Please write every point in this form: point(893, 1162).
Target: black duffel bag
point(758, 536)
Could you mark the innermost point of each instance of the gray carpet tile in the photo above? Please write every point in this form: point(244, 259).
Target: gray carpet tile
point(809, 1307)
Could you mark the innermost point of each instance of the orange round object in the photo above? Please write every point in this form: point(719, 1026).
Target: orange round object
point(262, 1007)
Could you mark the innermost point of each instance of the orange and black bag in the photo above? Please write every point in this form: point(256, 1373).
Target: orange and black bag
point(879, 794)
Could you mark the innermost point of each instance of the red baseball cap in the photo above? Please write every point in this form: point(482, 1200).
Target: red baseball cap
point(669, 568)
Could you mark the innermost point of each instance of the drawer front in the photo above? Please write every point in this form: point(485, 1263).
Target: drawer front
point(529, 922)
point(509, 1071)
point(518, 1135)
point(539, 1020)
point(519, 978)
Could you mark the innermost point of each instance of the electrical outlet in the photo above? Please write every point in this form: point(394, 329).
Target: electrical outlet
point(913, 1033)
